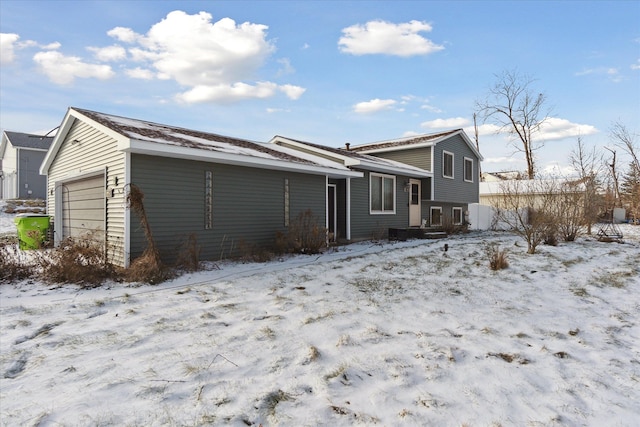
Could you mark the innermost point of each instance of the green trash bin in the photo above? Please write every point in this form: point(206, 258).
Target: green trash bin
point(32, 230)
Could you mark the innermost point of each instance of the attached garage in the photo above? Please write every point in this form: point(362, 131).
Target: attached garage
point(82, 207)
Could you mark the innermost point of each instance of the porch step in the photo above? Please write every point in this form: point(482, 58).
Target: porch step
point(402, 234)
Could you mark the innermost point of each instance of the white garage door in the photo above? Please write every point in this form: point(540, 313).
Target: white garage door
point(83, 208)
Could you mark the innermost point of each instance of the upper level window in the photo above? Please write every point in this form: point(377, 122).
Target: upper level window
point(468, 169)
point(447, 164)
point(382, 191)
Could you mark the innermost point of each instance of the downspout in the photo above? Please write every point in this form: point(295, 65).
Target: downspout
point(348, 208)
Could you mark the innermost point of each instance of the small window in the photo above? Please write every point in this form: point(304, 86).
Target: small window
point(286, 202)
point(208, 200)
point(436, 216)
point(457, 216)
point(382, 189)
point(468, 169)
point(447, 164)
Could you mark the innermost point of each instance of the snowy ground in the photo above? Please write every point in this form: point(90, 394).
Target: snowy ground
point(393, 334)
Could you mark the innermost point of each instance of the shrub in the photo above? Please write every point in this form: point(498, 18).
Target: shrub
point(497, 258)
point(189, 254)
point(77, 260)
point(304, 235)
point(12, 266)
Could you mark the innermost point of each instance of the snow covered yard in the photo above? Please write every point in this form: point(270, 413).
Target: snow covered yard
point(392, 334)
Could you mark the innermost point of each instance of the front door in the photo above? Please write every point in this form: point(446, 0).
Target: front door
point(415, 212)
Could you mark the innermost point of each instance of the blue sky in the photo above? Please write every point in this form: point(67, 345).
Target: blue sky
point(328, 72)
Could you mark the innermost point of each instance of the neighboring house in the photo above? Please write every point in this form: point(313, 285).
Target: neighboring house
point(367, 206)
point(453, 162)
point(532, 192)
point(21, 155)
point(227, 192)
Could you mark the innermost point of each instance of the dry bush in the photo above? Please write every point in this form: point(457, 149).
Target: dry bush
point(497, 258)
point(148, 267)
point(304, 235)
point(12, 266)
point(252, 252)
point(189, 254)
point(76, 260)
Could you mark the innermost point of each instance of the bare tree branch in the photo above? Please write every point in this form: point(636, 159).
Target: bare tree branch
point(517, 110)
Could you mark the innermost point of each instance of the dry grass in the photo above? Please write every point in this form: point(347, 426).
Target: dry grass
point(497, 258)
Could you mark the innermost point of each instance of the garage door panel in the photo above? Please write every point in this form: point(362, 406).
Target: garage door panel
point(83, 208)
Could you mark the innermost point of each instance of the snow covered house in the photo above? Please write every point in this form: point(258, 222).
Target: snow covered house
point(222, 190)
point(453, 163)
point(21, 155)
point(225, 191)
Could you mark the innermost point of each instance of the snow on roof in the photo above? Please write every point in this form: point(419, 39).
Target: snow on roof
point(353, 158)
point(405, 141)
point(170, 135)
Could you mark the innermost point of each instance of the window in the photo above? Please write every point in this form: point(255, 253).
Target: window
point(286, 202)
point(447, 164)
point(468, 169)
point(436, 216)
point(208, 200)
point(457, 216)
point(382, 189)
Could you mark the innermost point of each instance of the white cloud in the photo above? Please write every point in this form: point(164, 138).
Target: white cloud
point(228, 92)
point(7, 47)
point(292, 92)
point(286, 68)
point(503, 160)
point(454, 122)
point(613, 74)
point(126, 35)
point(194, 51)
point(636, 66)
point(109, 53)
point(554, 128)
point(216, 61)
point(64, 70)
point(381, 37)
point(140, 73)
point(373, 106)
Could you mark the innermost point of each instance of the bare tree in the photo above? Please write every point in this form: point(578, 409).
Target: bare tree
point(527, 208)
point(615, 178)
point(588, 165)
point(624, 139)
point(512, 105)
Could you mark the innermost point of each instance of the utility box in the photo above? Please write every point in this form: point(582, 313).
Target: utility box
point(32, 230)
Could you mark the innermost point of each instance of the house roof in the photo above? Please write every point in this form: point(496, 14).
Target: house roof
point(144, 137)
point(354, 159)
point(531, 186)
point(27, 141)
point(416, 141)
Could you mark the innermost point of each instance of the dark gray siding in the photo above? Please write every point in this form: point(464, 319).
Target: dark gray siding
point(418, 157)
point(31, 185)
point(455, 190)
point(248, 204)
point(364, 225)
point(447, 210)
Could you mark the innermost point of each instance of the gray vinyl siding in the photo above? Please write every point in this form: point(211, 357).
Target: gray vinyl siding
point(455, 190)
point(248, 205)
point(364, 225)
point(31, 185)
point(447, 210)
point(418, 157)
point(93, 151)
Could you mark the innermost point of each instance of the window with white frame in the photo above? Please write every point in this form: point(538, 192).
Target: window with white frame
point(382, 194)
point(457, 216)
point(468, 169)
point(447, 164)
point(436, 216)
